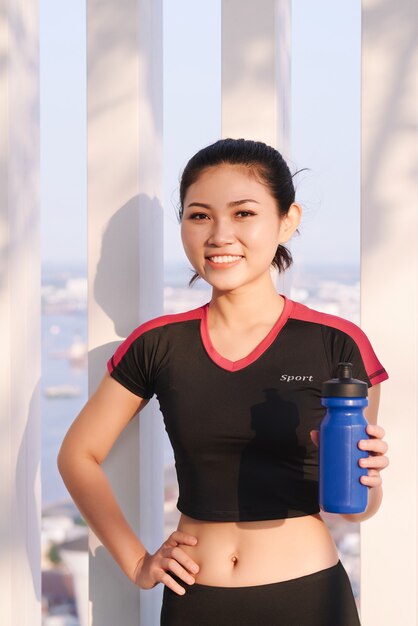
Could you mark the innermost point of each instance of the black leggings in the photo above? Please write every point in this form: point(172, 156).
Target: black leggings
point(324, 598)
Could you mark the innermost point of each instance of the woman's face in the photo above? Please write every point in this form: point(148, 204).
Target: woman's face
point(231, 227)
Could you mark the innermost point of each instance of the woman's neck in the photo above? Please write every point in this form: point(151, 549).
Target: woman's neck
point(241, 309)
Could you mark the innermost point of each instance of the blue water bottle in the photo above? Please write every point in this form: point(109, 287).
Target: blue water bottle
point(340, 489)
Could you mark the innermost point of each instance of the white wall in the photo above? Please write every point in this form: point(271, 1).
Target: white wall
point(124, 44)
point(20, 575)
point(389, 298)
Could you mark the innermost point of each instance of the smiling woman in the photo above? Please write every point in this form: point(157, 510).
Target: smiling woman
point(264, 186)
point(239, 383)
point(239, 226)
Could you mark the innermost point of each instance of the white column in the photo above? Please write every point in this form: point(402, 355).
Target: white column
point(256, 71)
point(20, 489)
point(124, 41)
point(256, 80)
point(389, 298)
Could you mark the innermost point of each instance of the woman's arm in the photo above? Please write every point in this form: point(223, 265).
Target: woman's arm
point(84, 448)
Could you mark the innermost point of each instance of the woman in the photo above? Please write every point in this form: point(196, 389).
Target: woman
point(239, 383)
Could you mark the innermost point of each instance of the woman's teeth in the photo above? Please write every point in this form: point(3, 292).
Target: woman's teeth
point(224, 259)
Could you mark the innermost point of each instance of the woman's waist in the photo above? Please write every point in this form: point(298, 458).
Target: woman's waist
point(250, 553)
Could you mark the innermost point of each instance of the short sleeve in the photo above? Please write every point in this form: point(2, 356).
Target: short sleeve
point(348, 343)
point(131, 364)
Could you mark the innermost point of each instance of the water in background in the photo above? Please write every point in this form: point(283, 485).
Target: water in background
point(64, 367)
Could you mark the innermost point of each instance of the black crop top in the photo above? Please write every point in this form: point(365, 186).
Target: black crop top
point(240, 430)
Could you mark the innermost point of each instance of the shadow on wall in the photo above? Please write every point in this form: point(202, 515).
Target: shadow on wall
point(120, 279)
point(117, 282)
point(27, 501)
point(119, 285)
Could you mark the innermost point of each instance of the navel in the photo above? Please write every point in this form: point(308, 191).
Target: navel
point(234, 560)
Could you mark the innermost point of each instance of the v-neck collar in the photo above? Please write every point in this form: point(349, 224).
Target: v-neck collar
point(233, 366)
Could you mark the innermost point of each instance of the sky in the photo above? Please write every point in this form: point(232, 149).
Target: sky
point(325, 129)
point(63, 131)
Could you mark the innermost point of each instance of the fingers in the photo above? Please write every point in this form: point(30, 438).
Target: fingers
point(170, 559)
point(169, 582)
point(376, 461)
point(178, 537)
point(178, 561)
point(374, 445)
point(373, 479)
point(181, 565)
point(374, 430)
point(179, 557)
point(173, 565)
point(315, 437)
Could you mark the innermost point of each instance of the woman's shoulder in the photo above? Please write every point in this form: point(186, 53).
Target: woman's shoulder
point(306, 313)
point(163, 321)
point(147, 343)
point(344, 337)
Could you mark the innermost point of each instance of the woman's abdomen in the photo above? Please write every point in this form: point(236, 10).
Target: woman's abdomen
point(235, 554)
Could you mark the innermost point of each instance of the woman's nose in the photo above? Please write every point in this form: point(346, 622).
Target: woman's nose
point(221, 233)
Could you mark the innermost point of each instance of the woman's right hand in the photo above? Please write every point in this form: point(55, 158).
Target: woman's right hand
point(170, 558)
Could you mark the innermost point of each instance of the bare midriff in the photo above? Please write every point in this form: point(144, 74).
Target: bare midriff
point(239, 554)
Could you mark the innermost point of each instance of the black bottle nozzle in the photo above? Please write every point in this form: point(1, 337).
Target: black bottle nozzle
point(345, 370)
point(344, 386)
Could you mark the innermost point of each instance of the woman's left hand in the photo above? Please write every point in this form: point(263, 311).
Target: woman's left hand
point(377, 459)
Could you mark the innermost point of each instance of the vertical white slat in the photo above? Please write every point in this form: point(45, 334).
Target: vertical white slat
point(389, 298)
point(256, 80)
point(20, 489)
point(151, 278)
point(124, 42)
point(192, 65)
point(256, 71)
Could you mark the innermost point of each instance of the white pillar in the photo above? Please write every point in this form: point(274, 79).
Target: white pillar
point(256, 80)
point(20, 489)
point(256, 71)
point(389, 298)
point(124, 42)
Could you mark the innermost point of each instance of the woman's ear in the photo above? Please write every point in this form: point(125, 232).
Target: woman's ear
point(290, 222)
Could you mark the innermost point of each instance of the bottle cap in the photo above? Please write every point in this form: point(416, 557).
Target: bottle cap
point(344, 386)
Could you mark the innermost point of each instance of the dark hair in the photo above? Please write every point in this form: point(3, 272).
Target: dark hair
point(261, 159)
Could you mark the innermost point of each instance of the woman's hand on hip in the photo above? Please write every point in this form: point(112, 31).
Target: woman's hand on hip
point(168, 559)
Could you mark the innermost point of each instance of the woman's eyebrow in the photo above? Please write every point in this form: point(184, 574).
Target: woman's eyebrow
point(238, 202)
point(199, 204)
point(230, 204)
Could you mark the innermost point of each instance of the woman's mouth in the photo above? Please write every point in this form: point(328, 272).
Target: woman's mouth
point(224, 260)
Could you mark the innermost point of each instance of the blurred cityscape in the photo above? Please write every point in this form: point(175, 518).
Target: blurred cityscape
point(64, 392)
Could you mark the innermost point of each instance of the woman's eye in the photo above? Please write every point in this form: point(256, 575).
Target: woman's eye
point(245, 213)
point(198, 216)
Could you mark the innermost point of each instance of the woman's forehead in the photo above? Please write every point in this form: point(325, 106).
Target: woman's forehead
point(227, 180)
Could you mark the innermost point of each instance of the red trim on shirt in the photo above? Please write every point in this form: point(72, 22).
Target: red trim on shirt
point(295, 310)
point(154, 323)
point(233, 366)
point(374, 369)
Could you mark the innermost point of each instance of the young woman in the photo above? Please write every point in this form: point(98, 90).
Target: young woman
point(238, 382)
